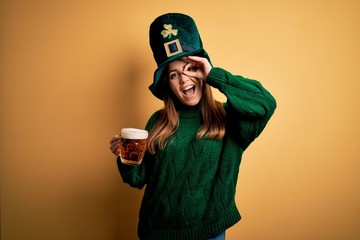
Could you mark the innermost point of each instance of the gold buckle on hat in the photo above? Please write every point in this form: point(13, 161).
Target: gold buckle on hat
point(173, 47)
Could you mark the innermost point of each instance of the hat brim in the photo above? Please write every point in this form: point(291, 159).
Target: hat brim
point(157, 87)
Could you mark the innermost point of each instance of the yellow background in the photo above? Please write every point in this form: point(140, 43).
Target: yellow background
point(73, 73)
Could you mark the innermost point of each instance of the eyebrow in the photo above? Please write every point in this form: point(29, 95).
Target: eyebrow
point(172, 70)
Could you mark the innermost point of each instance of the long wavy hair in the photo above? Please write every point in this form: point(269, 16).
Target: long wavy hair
point(212, 119)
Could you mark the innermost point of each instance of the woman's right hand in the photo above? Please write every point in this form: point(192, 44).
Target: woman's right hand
point(114, 142)
point(203, 67)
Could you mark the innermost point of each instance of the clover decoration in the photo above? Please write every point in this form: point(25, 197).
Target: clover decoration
point(168, 32)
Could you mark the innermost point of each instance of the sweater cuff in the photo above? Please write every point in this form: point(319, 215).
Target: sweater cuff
point(216, 77)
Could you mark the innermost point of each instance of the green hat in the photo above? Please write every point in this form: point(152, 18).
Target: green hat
point(172, 36)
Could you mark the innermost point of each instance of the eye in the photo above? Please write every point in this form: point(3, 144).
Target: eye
point(173, 75)
point(192, 68)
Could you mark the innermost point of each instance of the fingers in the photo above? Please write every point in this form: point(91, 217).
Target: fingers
point(114, 149)
point(193, 71)
point(200, 63)
point(195, 58)
point(114, 142)
point(114, 138)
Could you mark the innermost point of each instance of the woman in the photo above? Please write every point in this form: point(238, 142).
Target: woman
point(195, 143)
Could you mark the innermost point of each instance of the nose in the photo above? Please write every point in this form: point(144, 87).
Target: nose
point(183, 78)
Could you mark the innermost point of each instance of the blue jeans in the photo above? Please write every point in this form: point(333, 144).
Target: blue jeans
point(219, 237)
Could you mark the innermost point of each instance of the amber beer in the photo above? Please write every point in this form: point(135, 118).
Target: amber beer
point(132, 145)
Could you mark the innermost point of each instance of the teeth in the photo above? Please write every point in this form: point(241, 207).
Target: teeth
point(188, 87)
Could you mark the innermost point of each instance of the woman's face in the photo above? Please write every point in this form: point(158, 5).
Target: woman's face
point(187, 89)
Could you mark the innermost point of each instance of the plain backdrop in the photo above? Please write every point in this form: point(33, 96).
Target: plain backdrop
point(73, 73)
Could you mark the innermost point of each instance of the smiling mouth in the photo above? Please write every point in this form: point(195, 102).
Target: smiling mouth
point(189, 91)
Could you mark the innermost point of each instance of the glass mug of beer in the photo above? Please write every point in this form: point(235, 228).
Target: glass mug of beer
point(132, 145)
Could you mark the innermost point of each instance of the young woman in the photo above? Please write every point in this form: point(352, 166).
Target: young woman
point(195, 143)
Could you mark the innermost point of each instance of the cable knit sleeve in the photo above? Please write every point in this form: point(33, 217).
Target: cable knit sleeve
point(137, 175)
point(249, 105)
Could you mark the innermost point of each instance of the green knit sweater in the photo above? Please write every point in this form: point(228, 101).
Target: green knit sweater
point(190, 185)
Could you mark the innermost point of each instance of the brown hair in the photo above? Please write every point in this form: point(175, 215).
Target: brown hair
point(212, 116)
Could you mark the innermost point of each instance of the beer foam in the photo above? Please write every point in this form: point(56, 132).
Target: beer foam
point(134, 133)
